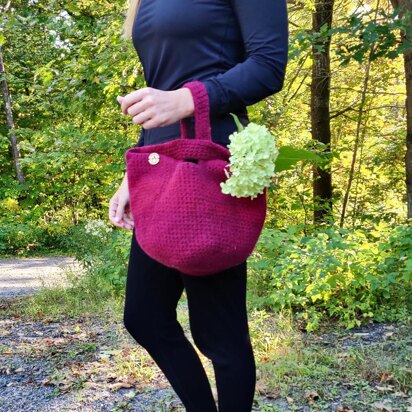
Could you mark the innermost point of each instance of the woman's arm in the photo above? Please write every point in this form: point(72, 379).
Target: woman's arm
point(264, 27)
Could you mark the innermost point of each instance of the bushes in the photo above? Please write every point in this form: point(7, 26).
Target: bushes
point(103, 251)
point(347, 275)
point(19, 238)
point(29, 231)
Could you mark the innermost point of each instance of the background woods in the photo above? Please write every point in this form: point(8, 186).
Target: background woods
point(64, 63)
point(346, 96)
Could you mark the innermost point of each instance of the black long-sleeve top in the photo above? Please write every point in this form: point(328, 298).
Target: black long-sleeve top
point(237, 48)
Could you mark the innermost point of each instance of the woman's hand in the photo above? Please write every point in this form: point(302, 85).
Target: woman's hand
point(119, 207)
point(157, 108)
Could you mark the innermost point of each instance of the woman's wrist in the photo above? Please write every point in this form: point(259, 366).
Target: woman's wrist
point(185, 102)
point(124, 181)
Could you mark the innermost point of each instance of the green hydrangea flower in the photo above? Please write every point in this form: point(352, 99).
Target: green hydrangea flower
point(252, 162)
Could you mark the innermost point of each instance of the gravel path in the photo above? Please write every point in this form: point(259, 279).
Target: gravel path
point(25, 276)
point(42, 363)
point(69, 365)
point(73, 365)
point(92, 365)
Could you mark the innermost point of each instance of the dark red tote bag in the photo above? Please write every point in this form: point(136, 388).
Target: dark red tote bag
point(182, 218)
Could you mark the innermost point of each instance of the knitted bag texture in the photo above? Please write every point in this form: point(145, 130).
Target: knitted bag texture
point(182, 218)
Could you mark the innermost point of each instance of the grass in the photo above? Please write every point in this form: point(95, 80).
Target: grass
point(84, 297)
point(39, 252)
point(292, 370)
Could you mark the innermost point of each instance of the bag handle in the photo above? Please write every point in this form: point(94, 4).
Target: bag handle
point(202, 116)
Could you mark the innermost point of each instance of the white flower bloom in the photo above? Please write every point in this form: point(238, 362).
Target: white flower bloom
point(98, 228)
point(252, 161)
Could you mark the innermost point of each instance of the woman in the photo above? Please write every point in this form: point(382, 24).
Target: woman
point(238, 49)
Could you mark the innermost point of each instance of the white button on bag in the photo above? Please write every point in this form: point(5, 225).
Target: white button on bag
point(154, 158)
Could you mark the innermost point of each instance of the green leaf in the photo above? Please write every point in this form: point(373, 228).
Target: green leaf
point(289, 155)
point(238, 124)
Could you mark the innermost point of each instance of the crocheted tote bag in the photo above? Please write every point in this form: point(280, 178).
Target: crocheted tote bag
point(182, 218)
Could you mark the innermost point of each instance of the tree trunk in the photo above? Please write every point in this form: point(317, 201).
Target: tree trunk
point(358, 138)
point(10, 123)
point(408, 154)
point(406, 6)
point(320, 116)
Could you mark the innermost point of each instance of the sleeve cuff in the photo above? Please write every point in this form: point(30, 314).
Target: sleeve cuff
point(216, 106)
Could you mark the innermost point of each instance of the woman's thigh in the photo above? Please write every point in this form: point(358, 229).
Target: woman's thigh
point(152, 293)
point(218, 313)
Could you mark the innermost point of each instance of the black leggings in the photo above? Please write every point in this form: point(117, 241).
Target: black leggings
point(218, 324)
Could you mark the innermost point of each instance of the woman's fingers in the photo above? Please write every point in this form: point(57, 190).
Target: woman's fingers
point(143, 117)
point(128, 216)
point(141, 110)
point(138, 107)
point(114, 201)
point(128, 223)
point(116, 211)
point(132, 98)
point(128, 219)
point(119, 212)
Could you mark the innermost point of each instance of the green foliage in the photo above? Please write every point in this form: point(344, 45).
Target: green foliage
point(288, 156)
point(396, 252)
point(366, 34)
point(347, 275)
point(28, 231)
point(70, 131)
point(18, 238)
point(102, 251)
